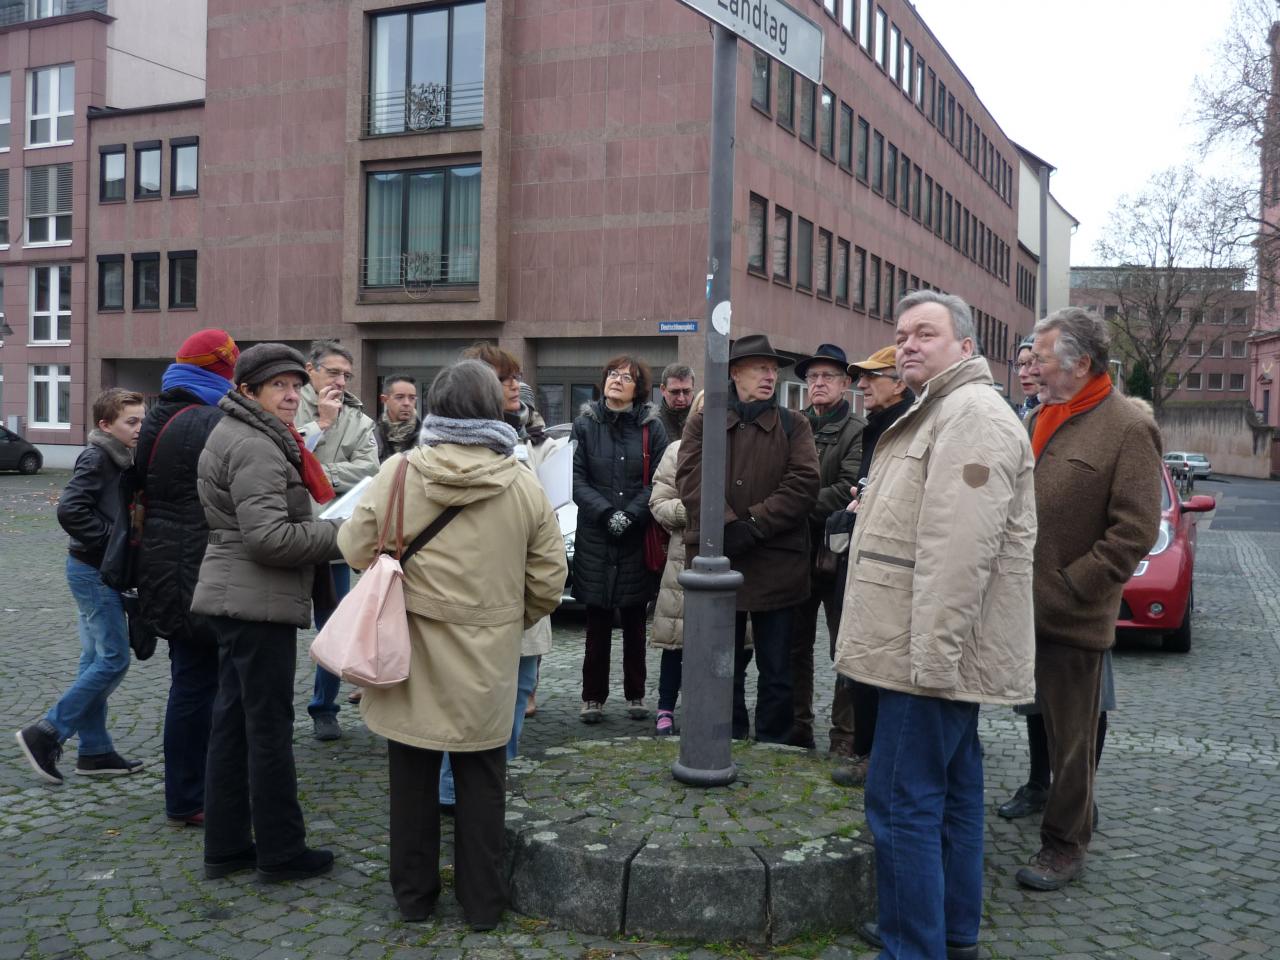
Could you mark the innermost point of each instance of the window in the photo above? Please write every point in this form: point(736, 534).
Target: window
point(1216, 349)
point(1237, 348)
point(1215, 381)
point(51, 102)
point(842, 271)
point(928, 202)
point(146, 281)
point(184, 166)
point(882, 39)
point(5, 108)
point(920, 82)
point(864, 25)
point(111, 173)
point(1238, 315)
point(760, 89)
point(889, 300)
point(916, 174)
point(49, 204)
point(830, 7)
point(786, 97)
point(1192, 381)
point(931, 107)
point(873, 306)
point(942, 108)
point(423, 226)
point(808, 96)
point(51, 395)
point(859, 278)
point(877, 162)
point(846, 137)
point(51, 304)
point(824, 263)
point(426, 69)
point(891, 171)
point(4, 215)
point(1236, 381)
point(846, 16)
point(111, 282)
point(895, 47)
point(937, 209)
point(864, 138)
point(756, 235)
point(781, 244)
point(146, 170)
point(827, 125)
point(947, 210)
point(908, 69)
point(1195, 348)
point(182, 279)
point(804, 254)
point(904, 185)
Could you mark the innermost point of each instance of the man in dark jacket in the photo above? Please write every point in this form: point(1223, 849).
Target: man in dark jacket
point(677, 398)
point(87, 512)
point(398, 426)
point(771, 483)
point(174, 536)
point(837, 431)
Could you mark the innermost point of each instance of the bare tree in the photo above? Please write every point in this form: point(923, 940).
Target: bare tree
point(1177, 253)
point(1231, 103)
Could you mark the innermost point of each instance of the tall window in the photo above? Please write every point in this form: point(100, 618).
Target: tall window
point(877, 162)
point(873, 297)
point(184, 166)
point(111, 173)
point(904, 185)
point(423, 226)
point(864, 24)
point(146, 170)
point(864, 140)
point(823, 263)
point(804, 255)
point(4, 210)
point(182, 279)
point(842, 271)
point(781, 244)
point(846, 137)
point(808, 96)
point(51, 395)
point(846, 16)
point(5, 108)
point(51, 304)
point(859, 278)
point(882, 39)
point(928, 202)
point(756, 233)
point(920, 82)
point(786, 96)
point(760, 88)
point(111, 281)
point(827, 124)
point(51, 105)
point(895, 47)
point(146, 281)
point(49, 204)
point(891, 176)
point(426, 69)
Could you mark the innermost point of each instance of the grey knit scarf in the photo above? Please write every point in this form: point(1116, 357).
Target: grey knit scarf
point(494, 434)
point(117, 451)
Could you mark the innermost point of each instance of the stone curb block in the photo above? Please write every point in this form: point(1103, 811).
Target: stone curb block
point(820, 886)
point(704, 893)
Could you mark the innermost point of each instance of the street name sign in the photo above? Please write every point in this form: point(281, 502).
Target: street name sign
point(772, 27)
point(677, 326)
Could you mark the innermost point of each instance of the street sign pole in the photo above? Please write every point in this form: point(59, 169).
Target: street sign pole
point(710, 587)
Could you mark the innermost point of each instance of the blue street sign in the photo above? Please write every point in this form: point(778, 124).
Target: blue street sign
point(677, 326)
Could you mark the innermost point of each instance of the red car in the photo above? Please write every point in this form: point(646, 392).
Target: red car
point(1158, 597)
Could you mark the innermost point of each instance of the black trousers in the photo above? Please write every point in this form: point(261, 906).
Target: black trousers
point(478, 831)
point(251, 784)
point(599, 645)
point(771, 637)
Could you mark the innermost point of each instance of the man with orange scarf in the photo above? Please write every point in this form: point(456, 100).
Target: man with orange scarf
point(1098, 508)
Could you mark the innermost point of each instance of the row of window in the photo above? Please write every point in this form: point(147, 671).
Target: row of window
point(1195, 348)
point(51, 106)
point(1239, 316)
point(896, 56)
point(148, 173)
point(1026, 287)
point(1194, 381)
point(147, 281)
point(862, 152)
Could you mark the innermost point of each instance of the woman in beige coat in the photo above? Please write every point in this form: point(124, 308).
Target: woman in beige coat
point(495, 569)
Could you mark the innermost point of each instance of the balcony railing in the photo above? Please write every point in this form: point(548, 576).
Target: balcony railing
point(418, 272)
point(424, 106)
point(22, 11)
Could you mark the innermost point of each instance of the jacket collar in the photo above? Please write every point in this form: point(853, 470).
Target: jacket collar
point(247, 410)
point(959, 374)
point(642, 412)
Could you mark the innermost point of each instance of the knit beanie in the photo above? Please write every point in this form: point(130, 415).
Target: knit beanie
point(212, 349)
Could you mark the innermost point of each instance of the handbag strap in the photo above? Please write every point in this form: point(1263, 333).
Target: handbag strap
point(436, 525)
point(644, 447)
point(395, 507)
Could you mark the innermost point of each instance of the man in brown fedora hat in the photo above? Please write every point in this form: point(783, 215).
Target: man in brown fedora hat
point(771, 483)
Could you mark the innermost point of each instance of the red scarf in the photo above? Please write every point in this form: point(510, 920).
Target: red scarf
point(313, 477)
point(1054, 415)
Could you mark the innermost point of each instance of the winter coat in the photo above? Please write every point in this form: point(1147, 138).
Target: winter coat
point(839, 443)
point(532, 452)
point(263, 542)
point(878, 423)
point(174, 531)
point(495, 569)
point(668, 510)
point(348, 451)
point(386, 446)
point(771, 481)
point(89, 503)
point(938, 601)
point(608, 476)
point(1099, 506)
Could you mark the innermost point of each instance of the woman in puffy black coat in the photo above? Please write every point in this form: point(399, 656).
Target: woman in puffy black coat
point(612, 494)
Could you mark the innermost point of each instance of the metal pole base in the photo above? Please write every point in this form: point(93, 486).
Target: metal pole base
point(704, 778)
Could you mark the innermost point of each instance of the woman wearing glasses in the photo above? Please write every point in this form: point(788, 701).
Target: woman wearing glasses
point(611, 490)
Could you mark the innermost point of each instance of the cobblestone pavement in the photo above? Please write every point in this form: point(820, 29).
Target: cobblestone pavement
point(1186, 864)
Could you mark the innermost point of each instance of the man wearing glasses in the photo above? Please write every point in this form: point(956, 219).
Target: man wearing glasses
point(837, 432)
point(677, 398)
point(332, 422)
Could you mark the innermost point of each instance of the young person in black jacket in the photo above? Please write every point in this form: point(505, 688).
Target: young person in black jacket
point(87, 511)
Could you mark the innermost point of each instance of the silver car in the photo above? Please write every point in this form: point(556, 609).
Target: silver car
point(1196, 463)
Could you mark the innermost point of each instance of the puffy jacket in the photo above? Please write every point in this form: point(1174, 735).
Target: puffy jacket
point(348, 451)
point(534, 449)
point(174, 532)
point(839, 442)
point(771, 478)
point(497, 568)
point(938, 601)
point(89, 503)
point(668, 510)
point(263, 542)
point(608, 475)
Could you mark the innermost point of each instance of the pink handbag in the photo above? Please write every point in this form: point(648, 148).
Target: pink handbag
point(366, 639)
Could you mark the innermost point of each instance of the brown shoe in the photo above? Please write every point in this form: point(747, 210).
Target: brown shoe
point(1050, 870)
point(850, 771)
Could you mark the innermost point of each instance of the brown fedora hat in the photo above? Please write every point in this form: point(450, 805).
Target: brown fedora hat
point(756, 345)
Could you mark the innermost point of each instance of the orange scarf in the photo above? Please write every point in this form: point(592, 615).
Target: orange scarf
point(1054, 415)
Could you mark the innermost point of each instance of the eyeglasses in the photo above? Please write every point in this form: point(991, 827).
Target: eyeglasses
point(338, 373)
point(513, 378)
point(824, 377)
point(686, 392)
point(620, 375)
point(1025, 364)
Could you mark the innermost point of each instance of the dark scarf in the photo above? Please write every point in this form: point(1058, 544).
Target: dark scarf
point(677, 417)
point(749, 410)
point(398, 431)
point(527, 424)
point(877, 423)
point(120, 455)
point(820, 420)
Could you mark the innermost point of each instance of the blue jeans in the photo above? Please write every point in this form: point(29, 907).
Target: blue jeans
point(188, 716)
point(104, 660)
point(324, 697)
point(526, 680)
point(924, 808)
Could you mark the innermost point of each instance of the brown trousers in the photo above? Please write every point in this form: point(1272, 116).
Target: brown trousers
point(825, 593)
point(478, 833)
point(1069, 688)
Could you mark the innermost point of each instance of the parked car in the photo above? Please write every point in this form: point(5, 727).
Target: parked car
point(1159, 597)
point(18, 454)
point(1197, 463)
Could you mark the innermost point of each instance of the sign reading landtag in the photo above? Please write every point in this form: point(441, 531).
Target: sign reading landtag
point(677, 326)
point(771, 27)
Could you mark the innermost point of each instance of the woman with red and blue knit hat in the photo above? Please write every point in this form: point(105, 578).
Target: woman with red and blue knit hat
point(173, 540)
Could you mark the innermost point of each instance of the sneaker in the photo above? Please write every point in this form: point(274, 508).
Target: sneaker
point(636, 709)
point(850, 771)
point(309, 863)
point(592, 712)
point(870, 931)
point(1050, 870)
point(215, 868)
point(1029, 799)
point(666, 725)
point(327, 728)
point(191, 820)
point(43, 749)
point(106, 765)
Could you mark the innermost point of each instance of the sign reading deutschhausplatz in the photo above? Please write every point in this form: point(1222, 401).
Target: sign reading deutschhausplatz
point(771, 27)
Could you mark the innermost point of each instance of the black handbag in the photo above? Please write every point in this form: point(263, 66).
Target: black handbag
point(142, 639)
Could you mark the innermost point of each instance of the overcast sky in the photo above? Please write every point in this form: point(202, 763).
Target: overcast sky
point(1098, 88)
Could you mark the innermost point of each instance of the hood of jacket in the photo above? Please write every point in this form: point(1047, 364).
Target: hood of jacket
point(247, 410)
point(456, 475)
point(643, 412)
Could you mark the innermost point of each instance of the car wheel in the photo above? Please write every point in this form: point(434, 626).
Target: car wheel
point(29, 464)
point(1180, 640)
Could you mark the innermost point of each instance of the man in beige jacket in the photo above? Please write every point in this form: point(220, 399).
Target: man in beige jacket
point(937, 614)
